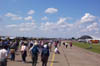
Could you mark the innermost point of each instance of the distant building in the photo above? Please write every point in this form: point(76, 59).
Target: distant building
point(85, 38)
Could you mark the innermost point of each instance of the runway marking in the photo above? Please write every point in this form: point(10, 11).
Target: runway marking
point(53, 58)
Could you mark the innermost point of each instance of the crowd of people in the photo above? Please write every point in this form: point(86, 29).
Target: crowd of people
point(33, 48)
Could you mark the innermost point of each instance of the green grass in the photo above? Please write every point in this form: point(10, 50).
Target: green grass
point(95, 47)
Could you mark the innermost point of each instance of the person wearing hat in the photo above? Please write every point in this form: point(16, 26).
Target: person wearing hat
point(45, 55)
point(34, 50)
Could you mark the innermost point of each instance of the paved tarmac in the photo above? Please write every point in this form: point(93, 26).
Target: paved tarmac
point(68, 57)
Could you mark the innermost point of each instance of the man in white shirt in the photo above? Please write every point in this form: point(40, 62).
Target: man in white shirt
point(3, 56)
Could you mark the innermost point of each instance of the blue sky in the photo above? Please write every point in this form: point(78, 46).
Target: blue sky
point(50, 18)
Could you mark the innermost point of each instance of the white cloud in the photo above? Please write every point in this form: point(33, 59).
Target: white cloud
point(44, 18)
point(24, 29)
point(55, 29)
point(11, 26)
point(13, 16)
point(22, 26)
point(51, 10)
point(60, 25)
point(16, 18)
point(88, 24)
point(31, 12)
point(10, 15)
point(29, 24)
point(61, 28)
point(28, 18)
point(87, 18)
point(61, 20)
point(93, 26)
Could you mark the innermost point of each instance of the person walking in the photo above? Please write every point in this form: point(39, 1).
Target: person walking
point(70, 44)
point(50, 46)
point(90, 44)
point(23, 52)
point(55, 44)
point(3, 56)
point(34, 53)
point(12, 51)
point(45, 55)
point(66, 44)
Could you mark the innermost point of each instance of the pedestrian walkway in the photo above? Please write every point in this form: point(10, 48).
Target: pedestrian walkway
point(68, 57)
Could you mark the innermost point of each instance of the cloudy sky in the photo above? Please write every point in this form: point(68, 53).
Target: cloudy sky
point(50, 18)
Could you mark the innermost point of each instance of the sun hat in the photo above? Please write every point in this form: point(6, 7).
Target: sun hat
point(36, 43)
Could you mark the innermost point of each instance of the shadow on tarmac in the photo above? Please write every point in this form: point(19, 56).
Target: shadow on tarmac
point(29, 62)
point(53, 61)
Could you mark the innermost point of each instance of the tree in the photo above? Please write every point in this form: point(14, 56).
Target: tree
point(73, 38)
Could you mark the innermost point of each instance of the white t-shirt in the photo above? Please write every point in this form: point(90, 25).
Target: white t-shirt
point(66, 43)
point(56, 50)
point(23, 48)
point(3, 54)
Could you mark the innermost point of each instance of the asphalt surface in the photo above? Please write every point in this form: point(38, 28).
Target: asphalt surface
point(68, 57)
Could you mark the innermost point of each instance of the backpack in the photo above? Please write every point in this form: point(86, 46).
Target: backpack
point(45, 52)
point(35, 50)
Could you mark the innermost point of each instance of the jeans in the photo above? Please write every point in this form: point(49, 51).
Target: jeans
point(13, 56)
